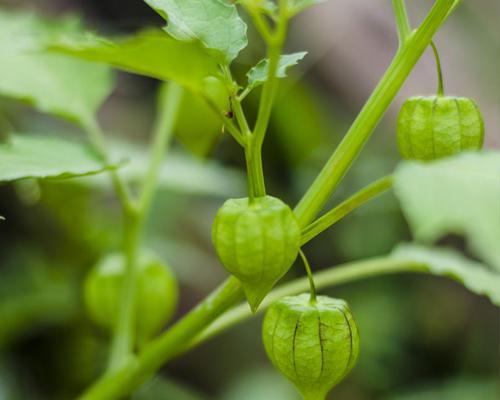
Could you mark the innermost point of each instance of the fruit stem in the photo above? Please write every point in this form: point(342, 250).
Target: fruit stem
point(440, 90)
point(312, 286)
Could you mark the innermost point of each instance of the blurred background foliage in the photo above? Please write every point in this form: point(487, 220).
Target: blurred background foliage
point(423, 338)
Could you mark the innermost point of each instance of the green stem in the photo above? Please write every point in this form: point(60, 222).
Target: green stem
point(122, 345)
point(346, 207)
point(440, 88)
point(310, 277)
point(345, 154)
point(402, 21)
point(169, 101)
point(254, 140)
point(96, 137)
point(124, 336)
point(334, 276)
point(212, 312)
point(255, 173)
point(270, 88)
point(259, 21)
point(132, 374)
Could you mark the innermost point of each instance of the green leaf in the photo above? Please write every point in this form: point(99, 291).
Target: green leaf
point(199, 128)
point(259, 74)
point(52, 83)
point(151, 53)
point(445, 262)
point(215, 23)
point(297, 6)
point(39, 156)
point(455, 195)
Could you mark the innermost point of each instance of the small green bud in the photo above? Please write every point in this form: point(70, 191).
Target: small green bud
point(314, 344)
point(257, 242)
point(156, 293)
point(439, 126)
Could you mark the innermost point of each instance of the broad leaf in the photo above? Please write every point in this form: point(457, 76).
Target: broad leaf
point(259, 74)
point(215, 23)
point(55, 84)
point(30, 156)
point(151, 53)
point(445, 262)
point(297, 6)
point(458, 195)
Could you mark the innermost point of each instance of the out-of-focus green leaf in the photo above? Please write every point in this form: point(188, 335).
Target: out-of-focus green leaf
point(297, 6)
point(454, 195)
point(53, 83)
point(445, 262)
point(305, 125)
point(179, 172)
point(30, 156)
point(259, 74)
point(215, 23)
point(199, 128)
point(456, 389)
point(151, 53)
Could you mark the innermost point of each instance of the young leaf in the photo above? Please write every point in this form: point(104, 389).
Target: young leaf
point(454, 195)
point(259, 74)
point(53, 83)
point(446, 262)
point(152, 53)
point(215, 23)
point(30, 156)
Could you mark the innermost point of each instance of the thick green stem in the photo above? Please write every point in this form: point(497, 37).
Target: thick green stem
point(255, 173)
point(346, 207)
point(132, 374)
point(350, 147)
point(124, 335)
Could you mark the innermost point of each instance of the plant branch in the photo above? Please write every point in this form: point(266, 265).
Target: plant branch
point(122, 347)
point(346, 207)
point(169, 101)
point(131, 375)
point(333, 276)
point(212, 313)
point(352, 144)
point(270, 88)
point(402, 21)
